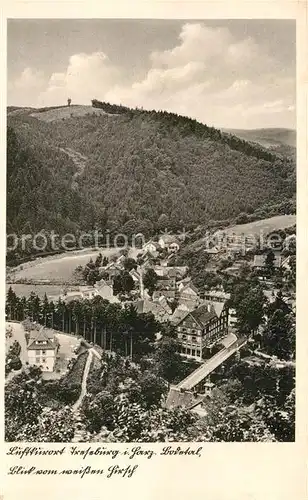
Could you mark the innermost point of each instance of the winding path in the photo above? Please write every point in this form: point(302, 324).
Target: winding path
point(79, 161)
point(92, 352)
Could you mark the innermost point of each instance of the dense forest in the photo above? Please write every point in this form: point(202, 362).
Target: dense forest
point(137, 167)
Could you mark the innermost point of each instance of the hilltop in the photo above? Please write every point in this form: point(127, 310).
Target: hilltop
point(281, 140)
point(80, 167)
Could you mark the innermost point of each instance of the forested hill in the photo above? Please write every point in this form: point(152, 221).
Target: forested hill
point(278, 140)
point(73, 169)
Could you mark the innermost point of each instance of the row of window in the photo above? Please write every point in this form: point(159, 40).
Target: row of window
point(189, 330)
point(40, 353)
point(187, 323)
point(190, 338)
point(40, 360)
point(190, 352)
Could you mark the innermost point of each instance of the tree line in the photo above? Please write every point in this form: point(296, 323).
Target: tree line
point(109, 325)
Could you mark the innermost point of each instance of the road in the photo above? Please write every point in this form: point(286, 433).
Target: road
point(198, 375)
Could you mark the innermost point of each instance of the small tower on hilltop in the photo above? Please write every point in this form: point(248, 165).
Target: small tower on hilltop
point(69, 100)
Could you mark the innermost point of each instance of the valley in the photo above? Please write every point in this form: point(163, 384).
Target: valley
point(167, 334)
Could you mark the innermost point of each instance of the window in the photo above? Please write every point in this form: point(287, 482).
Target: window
point(43, 352)
point(194, 339)
point(184, 337)
point(193, 352)
point(44, 360)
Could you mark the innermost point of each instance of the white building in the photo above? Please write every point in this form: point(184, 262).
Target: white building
point(169, 242)
point(42, 349)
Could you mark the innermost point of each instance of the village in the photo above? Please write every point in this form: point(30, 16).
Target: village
point(204, 321)
point(156, 284)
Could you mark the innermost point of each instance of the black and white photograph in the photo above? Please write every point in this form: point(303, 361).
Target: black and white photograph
point(150, 231)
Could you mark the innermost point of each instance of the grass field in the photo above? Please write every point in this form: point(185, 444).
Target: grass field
point(265, 225)
point(260, 227)
point(57, 267)
point(67, 112)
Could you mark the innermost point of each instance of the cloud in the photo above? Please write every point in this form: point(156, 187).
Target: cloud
point(208, 74)
point(87, 76)
point(215, 78)
point(23, 91)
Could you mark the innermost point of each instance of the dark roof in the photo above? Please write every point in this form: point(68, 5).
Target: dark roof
point(43, 335)
point(202, 314)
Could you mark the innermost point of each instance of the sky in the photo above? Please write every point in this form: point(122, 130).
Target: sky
point(225, 73)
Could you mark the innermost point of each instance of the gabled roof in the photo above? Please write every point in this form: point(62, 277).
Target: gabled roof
point(212, 250)
point(183, 282)
point(158, 310)
point(169, 239)
point(134, 274)
point(101, 283)
point(203, 315)
point(191, 287)
point(218, 307)
point(179, 314)
point(154, 243)
point(43, 339)
point(113, 265)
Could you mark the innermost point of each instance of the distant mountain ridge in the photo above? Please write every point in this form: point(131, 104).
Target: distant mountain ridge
point(282, 140)
point(139, 168)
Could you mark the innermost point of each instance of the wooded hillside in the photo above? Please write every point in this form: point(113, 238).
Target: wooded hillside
point(139, 166)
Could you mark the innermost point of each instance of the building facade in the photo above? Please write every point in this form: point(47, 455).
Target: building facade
point(200, 329)
point(42, 349)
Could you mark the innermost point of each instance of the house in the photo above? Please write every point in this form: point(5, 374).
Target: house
point(165, 287)
point(111, 270)
point(105, 290)
point(233, 270)
point(285, 263)
point(171, 271)
point(158, 308)
point(216, 296)
point(179, 313)
point(42, 349)
point(212, 251)
point(188, 295)
point(70, 296)
point(87, 292)
point(219, 298)
point(152, 248)
point(135, 275)
point(199, 329)
point(169, 242)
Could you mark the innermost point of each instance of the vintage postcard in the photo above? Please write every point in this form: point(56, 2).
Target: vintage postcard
point(155, 250)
